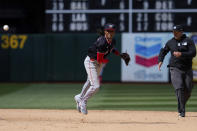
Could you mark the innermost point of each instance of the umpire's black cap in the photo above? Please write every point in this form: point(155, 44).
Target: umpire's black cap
point(110, 26)
point(178, 28)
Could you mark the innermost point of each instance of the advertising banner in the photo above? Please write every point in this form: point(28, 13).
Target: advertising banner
point(194, 65)
point(144, 49)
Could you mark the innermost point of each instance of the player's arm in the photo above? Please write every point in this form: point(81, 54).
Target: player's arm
point(115, 51)
point(125, 56)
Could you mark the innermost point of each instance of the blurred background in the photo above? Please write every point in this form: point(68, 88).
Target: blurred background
point(47, 40)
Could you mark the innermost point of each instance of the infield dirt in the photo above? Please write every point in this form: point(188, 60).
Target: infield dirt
point(96, 120)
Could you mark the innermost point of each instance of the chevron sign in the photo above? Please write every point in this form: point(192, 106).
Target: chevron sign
point(147, 50)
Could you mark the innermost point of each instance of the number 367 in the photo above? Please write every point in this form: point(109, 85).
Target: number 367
point(13, 41)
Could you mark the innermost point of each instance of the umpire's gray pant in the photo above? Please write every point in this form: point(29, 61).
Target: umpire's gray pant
point(182, 82)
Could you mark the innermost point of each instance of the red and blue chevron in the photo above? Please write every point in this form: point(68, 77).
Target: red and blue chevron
point(146, 54)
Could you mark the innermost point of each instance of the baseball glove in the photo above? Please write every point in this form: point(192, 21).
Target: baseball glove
point(125, 57)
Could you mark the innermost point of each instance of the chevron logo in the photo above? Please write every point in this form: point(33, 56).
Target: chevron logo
point(147, 50)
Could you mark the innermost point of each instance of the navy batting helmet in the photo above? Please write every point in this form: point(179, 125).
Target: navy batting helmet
point(110, 26)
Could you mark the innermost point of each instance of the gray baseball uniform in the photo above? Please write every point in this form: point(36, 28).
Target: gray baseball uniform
point(97, 54)
point(93, 68)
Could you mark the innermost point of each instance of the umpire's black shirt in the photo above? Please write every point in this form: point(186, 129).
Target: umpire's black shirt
point(187, 48)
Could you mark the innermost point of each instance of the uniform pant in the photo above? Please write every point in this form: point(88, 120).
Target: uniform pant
point(92, 84)
point(182, 82)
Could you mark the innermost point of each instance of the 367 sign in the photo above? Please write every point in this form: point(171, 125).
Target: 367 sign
point(13, 41)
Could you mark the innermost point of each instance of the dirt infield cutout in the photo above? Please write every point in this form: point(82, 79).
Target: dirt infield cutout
point(96, 120)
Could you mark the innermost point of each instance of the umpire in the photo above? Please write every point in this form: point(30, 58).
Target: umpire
point(182, 51)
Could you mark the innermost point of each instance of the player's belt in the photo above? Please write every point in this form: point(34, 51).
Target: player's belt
point(91, 59)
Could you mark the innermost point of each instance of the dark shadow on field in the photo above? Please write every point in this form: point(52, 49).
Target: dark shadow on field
point(10, 88)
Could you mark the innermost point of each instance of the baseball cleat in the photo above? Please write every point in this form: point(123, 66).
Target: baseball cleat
point(77, 100)
point(182, 114)
point(83, 106)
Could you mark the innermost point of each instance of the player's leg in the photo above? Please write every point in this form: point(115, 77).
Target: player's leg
point(93, 69)
point(86, 86)
point(80, 96)
point(94, 81)
point(178, 84)
point(188, 85)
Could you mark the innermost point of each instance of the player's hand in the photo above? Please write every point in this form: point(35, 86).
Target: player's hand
point(177, 54)
point(159, 66)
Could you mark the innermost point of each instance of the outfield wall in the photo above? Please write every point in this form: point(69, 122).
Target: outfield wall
point(49, 57)
point(59, 57)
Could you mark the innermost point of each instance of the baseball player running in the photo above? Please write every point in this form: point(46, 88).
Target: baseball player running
point(97, 54)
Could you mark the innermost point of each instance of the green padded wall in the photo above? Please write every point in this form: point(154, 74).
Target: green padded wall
point(53, 57)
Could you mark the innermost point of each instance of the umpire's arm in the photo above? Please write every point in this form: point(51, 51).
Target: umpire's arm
point(162, 54)
point(191, 50)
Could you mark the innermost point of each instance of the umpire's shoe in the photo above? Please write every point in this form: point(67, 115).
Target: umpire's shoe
point(182, 114)
point(83, 106)
point(78, 99)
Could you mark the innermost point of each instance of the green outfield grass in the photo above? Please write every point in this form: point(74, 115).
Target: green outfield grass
point(110, 97)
